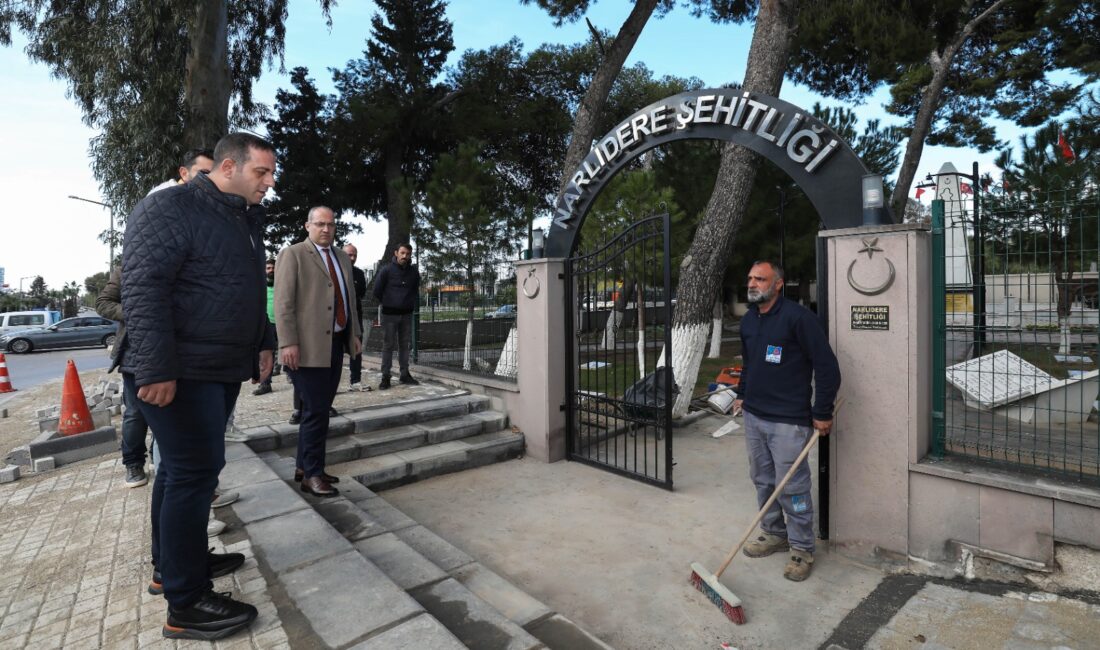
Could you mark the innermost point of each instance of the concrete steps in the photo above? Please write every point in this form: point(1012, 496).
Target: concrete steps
point(362, 574)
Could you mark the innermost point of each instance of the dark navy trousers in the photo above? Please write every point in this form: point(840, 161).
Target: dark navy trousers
point(317, 388)
point(191, 440)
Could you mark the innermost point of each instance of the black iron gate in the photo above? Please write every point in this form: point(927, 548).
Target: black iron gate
point(619, 388)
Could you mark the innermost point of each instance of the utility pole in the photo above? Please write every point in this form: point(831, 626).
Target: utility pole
point(110, 228)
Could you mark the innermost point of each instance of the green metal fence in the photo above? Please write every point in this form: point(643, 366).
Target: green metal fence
point(1016, 350)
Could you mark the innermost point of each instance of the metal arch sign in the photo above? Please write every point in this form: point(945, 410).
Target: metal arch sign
point(815, 157)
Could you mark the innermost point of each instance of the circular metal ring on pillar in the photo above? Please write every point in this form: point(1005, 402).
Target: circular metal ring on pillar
point(538, 284)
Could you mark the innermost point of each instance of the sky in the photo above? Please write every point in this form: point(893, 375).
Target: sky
point(46, 143)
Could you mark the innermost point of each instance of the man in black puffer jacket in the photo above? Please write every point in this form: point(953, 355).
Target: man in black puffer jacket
point(396, 288)
point(194, 300)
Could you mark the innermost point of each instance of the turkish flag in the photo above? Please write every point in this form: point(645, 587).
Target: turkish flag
point(965, 188)
point(1063, 145)
point(920, 190)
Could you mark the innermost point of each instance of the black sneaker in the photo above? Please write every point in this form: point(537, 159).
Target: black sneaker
point(295, 418)
point(385, 383)
point(135, 476)
point(221, 564)
point(264, 389)
point(409, 381)
point(213, 616)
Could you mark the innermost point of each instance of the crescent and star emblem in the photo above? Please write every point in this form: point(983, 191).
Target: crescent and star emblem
point(870, 246)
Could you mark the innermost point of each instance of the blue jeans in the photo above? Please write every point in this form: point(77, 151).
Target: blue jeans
point(772, 448)
point(134, 428)
point(190, 433)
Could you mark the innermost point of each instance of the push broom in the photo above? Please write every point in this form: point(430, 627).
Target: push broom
point(708, 583)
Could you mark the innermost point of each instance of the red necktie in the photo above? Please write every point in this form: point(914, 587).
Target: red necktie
point(341, 317)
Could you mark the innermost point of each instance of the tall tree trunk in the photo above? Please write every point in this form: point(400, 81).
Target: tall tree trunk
point(398, 205)
point(940, 62)
point(584, 124)
point(208, 85)
point(618, 313)
point(716, 329)
point(704, 266)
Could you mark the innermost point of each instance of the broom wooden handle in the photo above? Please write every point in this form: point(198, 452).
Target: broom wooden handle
point(775, 495)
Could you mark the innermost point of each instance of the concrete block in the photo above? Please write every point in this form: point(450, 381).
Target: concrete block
point(452, 429)
point(381, 418)
point(283, 466)
point(44, 464)
point(42, 412)
point(420, 632)
point(260, 438)
point(353, 490)
point(20, 456)
point(116, 409)
point(69, 449)
point(472, 620)
point(941, 510)
point(476, 403)
point(389, 441)
point(340, 426)
point(345, 597)
point(399, 561)
point(1076, 524)
point(491, 421)
point(9, 474)
point(265, 500)
point(381, 470)
point(341, 451)
point(489, 448)
point(451, 407)
point(389, 517)
point(441, 552)
point(3, 413)
point(1017, 524)
point(296, 538)
point(506, 598)
point(101, 419)
point(237, 451)
point(247, 471)
point(560, 632)
point(347, 518)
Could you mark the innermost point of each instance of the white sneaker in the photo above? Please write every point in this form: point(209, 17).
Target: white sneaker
point(355, 387)
point(224, 498)
point(214, 528)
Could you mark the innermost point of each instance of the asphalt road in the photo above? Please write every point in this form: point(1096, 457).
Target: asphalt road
point(30, 370)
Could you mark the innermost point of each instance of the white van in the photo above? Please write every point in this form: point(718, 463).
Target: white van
point(20, 320)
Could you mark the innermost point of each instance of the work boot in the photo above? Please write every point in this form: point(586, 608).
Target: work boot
point(384, 384)
point(765, 545)
point(213, 616)
point(799, 566)
point(135, 476)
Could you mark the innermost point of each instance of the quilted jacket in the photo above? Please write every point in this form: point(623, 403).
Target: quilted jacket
point(194, 291)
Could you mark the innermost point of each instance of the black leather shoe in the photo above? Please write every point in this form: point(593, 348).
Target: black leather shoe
point(299, 475)
point(213, 616)
point(221, 564)
point(409, 381)
point(318, 486)
point(295, 418)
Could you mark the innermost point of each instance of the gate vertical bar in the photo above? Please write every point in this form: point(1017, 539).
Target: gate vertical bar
point(824, 444)
point(571, 369)
point(667, 266)
point(939, 328)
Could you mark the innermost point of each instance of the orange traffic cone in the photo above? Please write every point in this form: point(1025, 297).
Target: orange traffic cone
point(5, 380)
point(75, 416)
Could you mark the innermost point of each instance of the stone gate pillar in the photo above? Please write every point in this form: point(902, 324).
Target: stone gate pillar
point(879, 312)
point(540, 323)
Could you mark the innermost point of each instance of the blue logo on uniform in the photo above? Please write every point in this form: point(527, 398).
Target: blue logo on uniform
point(774, 355)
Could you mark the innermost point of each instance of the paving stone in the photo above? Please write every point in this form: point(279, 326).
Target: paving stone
point(345, 597)
point(442, 553)
point(341, 451)
point(238, 451)
point(505, 597)
point(348, 519)
point(264, 500)
point(476, 403)
point(496, 447)
point(293, 539)
point(560, 632)
point(379, 470)
point(385, 514)
point(399, 561)
point(472, 620)
point(439, 409)
point(341, 425)
point(263, 438)
point(492, 421)
point(420, 632)
point(248, 471)
point(283, 467)
point(9, 474)
point(353, 490)
point(386, 441)
point(452, 429)
point(381, 418)
point(44, 464)
point(434, 460)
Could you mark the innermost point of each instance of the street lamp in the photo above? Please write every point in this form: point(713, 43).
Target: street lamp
point(110, 228)
point(874, 203)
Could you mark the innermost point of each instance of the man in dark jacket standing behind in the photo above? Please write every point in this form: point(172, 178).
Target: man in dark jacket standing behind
point(193, 297)
point(396, 289)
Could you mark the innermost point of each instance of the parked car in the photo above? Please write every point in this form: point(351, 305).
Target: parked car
point(21, 320)
point(504, 311)
point(82, 331)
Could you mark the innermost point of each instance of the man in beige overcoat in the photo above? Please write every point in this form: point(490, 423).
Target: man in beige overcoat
point(317, 325)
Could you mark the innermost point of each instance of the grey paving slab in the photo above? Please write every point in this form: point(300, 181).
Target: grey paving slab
point(296, 538)
point(441, 552)
point(386, 441)
point(506, 598)
point(345, 597)
point(238, 451)
point(382, 418)
point(353, 490)
point(559, 632)
point(438, 409)
point(452, 429)
point(420, 632)
point(348, 519)
point(390, 517)
point(247, 471)
point(341, 450)
point(376, 470)
point(472, 620)
point(432, 451)
point(407, 568)
point(491, 420)
point(283, 467)
point(264, 500)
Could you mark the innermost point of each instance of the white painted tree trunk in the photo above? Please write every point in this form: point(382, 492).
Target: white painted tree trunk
point(1063, 341)
point(716, 332)
point(688, 343)
point(640, 311)
point(467, 361)
point(507, 365)
point(614, 319)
